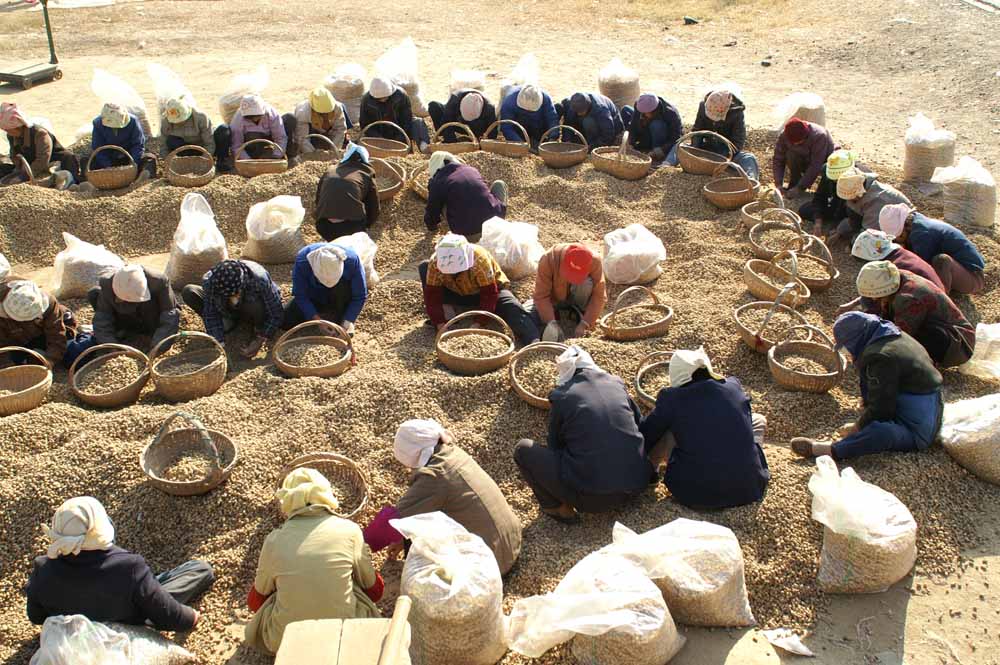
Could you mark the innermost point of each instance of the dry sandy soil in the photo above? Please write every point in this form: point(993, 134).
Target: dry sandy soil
point(874, 63)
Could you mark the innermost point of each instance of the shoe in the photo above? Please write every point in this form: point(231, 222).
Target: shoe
point(564, 514)
point(500, 191)
point(85, 188)
point(809, 448)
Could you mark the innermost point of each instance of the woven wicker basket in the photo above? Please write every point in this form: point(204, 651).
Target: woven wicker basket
point(189, 170)
point(382, 147)
point(339, 470)
point(167, 446)
point(116, 398)
point(824, 261)
point(249, 168)
point(420, 181)
point(500, 145)
point(200, 383)
point(823, 352)
point(29, 384)
point(729, 193)
point(629, 333)
point(114, 177)
point(537, 401)
point(561, 154)
point(457, 148)
point(384, 169)
point(652, 361)
point(750, 214)
point(613, 161)
point(755, 337)
point(331, 153)
point(337, 338)
point(791, 221)
point(699, 161)
point(473, 366)
point(765, 279)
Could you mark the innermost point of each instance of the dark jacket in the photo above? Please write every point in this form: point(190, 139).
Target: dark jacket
point(814, 151)
point(130, 137)
point(906, 260)
point(639, 136)
point(890, 366)
point(38, 147)
point(716, 462)
point(930, 237)
point(348, 192)
point(258, 288)
point(594, 428)
point(535, 123)
point(733, 127)
point(453, 113)
point(461, 189)
point(103, 585)
point(396, 108)
point(158, 316)
point(606, 121)
point(53, 327)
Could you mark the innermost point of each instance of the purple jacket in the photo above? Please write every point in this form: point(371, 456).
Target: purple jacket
point(462, 189)
point(814, 150)
point(270, 124)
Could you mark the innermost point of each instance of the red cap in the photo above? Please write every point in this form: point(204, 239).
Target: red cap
point(796, 130)
point(576, 263)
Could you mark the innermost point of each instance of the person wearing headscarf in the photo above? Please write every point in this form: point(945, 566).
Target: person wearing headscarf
point(328, 283)
point(459, 189)
point(918, 308)
point(864, 195)
point(569, 285)
point(593, 115)
point(255, 119)
point(347, 196)
point(34, 319)
point(468, 107)
point(38, 147)
point(387, 101)
point(234, 292)
point(800, 153)
point(84, 572)
point(116, 126)
point(532, 108)
point(655, 126)
point(955, 258)
point(183, 124)
point(134, 300)
point(701, 419)
point(827, 210)
point(722, 112)
point(314, 566)
point(322, 115)
point(595, 459)
point(463, 276)
point(900, 392)
point(445, 478)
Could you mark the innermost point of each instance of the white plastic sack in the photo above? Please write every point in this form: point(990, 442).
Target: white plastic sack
point(514, 245)
point(400, 65)
point(167, 85)
point(366, 248)
point(632, 255)
point(970, 193)
point(870, 540)
point(274, 230)
point(922, 132)
point(698, 566)
point(76, 640)
point(111, 89)
point(806, 106)
point(453, 579)
point(970, 433)
point(525, 72)
point(151, 648)
point(79, 267)
point(619, 83)
point(985, 360)
point(241, 85)
point(467, 79)
point(198, 244)
point(347, 85)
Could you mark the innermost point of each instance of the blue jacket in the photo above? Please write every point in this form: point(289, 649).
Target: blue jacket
point(130, 137)
point(930, 237)
point(601, 126)
point(308, 292)
point(536, 123)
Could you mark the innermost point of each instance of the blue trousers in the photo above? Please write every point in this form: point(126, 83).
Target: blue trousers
point(916, 425)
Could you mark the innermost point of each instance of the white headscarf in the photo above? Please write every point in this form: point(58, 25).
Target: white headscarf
point(327, 263)
point(529, 98)
point(381, 88)
point(79, 524)
point(130, 284)
point(252, 105)
point(683, 365)
point(303, 489)
point(415, 441)
point(439, 159)
point(454, 254)
point(4, 267)
point(25, 301)
point(572, 359)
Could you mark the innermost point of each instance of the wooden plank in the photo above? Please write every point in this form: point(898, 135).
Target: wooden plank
point(311, 643)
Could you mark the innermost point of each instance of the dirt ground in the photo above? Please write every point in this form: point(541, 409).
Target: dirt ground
point(875, 64)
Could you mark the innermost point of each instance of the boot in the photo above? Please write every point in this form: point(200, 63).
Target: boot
point(62, 180)
point(806, 447)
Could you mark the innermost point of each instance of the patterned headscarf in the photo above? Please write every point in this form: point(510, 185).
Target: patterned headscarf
point(228, 277)
point(717, 105)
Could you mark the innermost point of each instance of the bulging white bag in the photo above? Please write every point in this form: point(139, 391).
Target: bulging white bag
point(198, 244)
point(366, 248)
point(274, 230)
point(167, 85)
point(112, 90)
point(467, 79)
point(347, 85)
point(514, 245)
point(698, 566)
point(76, 640)
point(619, 83)
point(985, 360)
point(927, 148)
point(806, 106)
point(151, 648)
point(79, 267)
point(970, 193)
point(453, 579)
point(400, 65)
point(241, 85)
point(632, 255)
point(525, 72)
point(870, 540)
point(970, 432)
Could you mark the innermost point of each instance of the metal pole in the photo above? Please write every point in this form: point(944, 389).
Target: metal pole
point(48, 31)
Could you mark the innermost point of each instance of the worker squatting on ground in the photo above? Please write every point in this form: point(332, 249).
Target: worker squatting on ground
point(134, 301)
point(38, 148)
point(864, 196)
point(181, 124)
point(874, 245)
point(385, 101)
point(328, 283)
point(722, 112)
point(532, 108)
point(321, 114)
point(347, 196)
point(468, 107)
point(459, 190)
point(117, 127)
point(32, 318)
point(255, 120)
point(800, 154)
point(654, 126)
point(593, 115)
point(569, 286)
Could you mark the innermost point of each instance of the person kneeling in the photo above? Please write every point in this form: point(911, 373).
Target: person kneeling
point(459, 189)
point(133, 300)
point(347, 196)
point(569, 284)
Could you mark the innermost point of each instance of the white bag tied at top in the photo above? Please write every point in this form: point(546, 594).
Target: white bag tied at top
point(198, 244)
point(970, 432)
point(806, 106)
point(453, 579)
point(970, 193)
point(249, 83)
point(400, 65)
point(80, 266)
point(514, 245)
point(870, 540)
point(274, 230)
point(927, 148)
point(112, 90)
point(985, 360)
point(76, 640)
point(632, 255)
point(525, 72)
point(619, 83)
point(698, 566)
point(347, 85)
point(366, 248)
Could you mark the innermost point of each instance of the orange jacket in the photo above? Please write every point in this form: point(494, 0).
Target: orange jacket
point(551, 287)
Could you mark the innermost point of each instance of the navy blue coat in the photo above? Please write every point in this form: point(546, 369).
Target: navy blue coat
point(130, 137)
point(536, 123)
point(607, 121)
point(639, 136)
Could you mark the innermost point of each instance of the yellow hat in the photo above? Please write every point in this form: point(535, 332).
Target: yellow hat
point(878, 279)
point(838, 162)
point(321, 100)
point(303, 489)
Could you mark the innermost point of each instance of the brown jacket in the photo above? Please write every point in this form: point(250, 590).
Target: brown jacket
point(52, 326)
point(552, 288)
point(453, 483)
point(347, 192)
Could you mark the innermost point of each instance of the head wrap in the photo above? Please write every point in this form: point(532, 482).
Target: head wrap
point(851, 184)
point(79, 524)
point(178, 110)
point(856, 330)
point(529, 98)
point(579, 103)
point(576, 263)
point(796, 130)
point(252, 105)
point(838, 162)
point(303, 489)
point(415, 441)
point(381, 88)
point(228, 277)
point(321, 100)
point(471, 106)
point(717, 105)
point(439, 159)
point(4, 267)
point(114, 116)
point(683, 365)
point(570, 360)
point(355, 149)
point(873, 245)
point(878, 279)
point(454, 254)
point(646, 103)
point(129, 284)
point(25, 301)
point(10, 117)
point(892, 218)
point(327, 263)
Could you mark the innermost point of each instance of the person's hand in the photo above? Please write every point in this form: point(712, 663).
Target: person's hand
point(393, 551)
point(793, 193)
point(349, 328)
point(581, 329)
point(251, 349)
point(197, 617)
point(845, 308)
point(657, 154)
point(846, 430)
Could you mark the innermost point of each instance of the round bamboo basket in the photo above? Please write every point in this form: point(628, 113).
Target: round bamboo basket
point(199, 383)
point(28, 384)
point(621, 162)
point(473, 366)
point(189, 170)
point(116, 398)
point(791, 221)
point(248, 168)
point(730, 193)
point(114, 177)
point(628, 333)
point(420, 181)
point(699, 161)
point(765, 279)
point(755, 336)
point(457, 148)
point(339, 470)
point(561, 154)
point(652, 361)
point(382, 147)
point(537, 401)
point(384, 169)
point(750, 214)
point(168, 446)
point(500, 145)
point(336, 337)
point(331, 153)
point(824, 261)
point(823, 352)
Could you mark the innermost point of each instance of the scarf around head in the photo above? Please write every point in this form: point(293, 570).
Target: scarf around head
point(854, 331)
point(305, 489)
point(228, 277)
point(79, 524)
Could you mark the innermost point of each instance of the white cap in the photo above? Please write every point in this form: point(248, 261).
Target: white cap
point(415, 441)
point(25, 301)
point(4, 267)
point(129, 284)
point(873, 245)
point(381, 88)
point(252, 105)
point(529, 98)
point(327, 263)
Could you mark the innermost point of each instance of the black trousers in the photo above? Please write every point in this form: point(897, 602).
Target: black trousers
point(340, 298)
point(330, 231)
point(175, 142)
